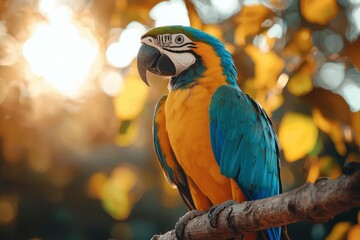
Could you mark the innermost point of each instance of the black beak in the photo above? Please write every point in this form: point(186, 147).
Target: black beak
point(150, 58)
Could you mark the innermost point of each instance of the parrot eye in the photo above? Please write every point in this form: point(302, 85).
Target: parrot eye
point(179, 39)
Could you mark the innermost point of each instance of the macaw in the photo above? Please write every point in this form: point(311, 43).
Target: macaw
point(213, 141)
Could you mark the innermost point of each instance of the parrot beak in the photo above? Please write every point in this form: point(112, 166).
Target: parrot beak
point(150, 59)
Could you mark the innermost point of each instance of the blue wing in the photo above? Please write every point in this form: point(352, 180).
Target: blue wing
point(245, 145)
point(171, 168)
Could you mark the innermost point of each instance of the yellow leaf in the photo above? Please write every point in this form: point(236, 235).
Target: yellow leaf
point(320, 12)
point(354, 233)
point(332, 128)
point(301, 82)
point(300, 43)
point(355, 122)
point(129, 104)
point(195, 20)
point(249, 22)
point(273, 102)
point(127, 134)
point(95, 184)
point(329, 167)
point(214, 30)
point(115, 200)
point(339, 231)
point(117, 193)
point(268, 67)
point(249, 87)
point(297, 135)
point(314, 172)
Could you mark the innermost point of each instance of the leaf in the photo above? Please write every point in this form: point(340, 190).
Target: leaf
point(320, 12)
point(355, 123)
point(273, 102)
point(354, 233)
point(131, 101)
point(118, 193)
point(297, 135)
point(300, 43)
point(268, 67)
point(314, 172)
point(329, 167)
point(249, 22)
point(331, 105)
point(128, 132)
point(323, 166)
point(195, 20)
point(95, 184)
point(115, 200)
point(332, 128)
point(301, 82)
point(214, 30)
point(339, 231)
point(317, 149)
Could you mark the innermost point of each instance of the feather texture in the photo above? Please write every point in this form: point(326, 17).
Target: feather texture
point(245, 145)
point(171, 168)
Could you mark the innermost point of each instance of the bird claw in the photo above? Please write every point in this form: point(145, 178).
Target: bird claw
point(216, 210)
point(183, 221)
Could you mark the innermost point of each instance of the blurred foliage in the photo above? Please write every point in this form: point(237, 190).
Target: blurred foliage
point(76, 159)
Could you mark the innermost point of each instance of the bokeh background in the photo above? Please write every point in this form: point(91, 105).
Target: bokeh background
point(76, 155)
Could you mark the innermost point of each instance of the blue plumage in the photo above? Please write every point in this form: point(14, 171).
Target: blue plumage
point(245, 145)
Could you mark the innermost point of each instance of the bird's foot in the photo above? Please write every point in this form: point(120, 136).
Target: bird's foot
point(183, 221)
point(216, 210)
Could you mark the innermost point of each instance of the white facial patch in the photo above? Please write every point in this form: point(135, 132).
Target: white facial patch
point(182, 61)
point(176, 47)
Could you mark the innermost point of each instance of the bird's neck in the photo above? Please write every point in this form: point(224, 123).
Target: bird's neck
point(209, 77)
point(212, 67)
point(188, 77)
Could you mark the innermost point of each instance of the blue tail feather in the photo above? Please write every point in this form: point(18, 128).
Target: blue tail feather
point(274, 233)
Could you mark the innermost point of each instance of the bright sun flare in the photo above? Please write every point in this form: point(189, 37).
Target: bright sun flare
point(62, 52)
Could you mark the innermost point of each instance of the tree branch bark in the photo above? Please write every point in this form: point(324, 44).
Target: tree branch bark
point(316, 202)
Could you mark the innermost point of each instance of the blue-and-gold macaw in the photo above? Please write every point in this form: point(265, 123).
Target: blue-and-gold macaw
point(214, 142)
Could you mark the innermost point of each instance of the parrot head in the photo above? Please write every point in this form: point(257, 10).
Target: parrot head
point(183, 54)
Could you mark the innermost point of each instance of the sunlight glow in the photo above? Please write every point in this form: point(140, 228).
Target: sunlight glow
point(277, 4)
point(331, 75)
point(62, 52)
point(47, 6)
point(163, 13)
point(355, 17)
point(351, 93)
point(216, 11)
point(278, 29)
point(120, 54)
point(112, 82)
point(226, 8)
point(261, 42)
point(350, 89)
point(282, 80)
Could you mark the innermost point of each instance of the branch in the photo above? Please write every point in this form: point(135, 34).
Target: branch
point(316, 202)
